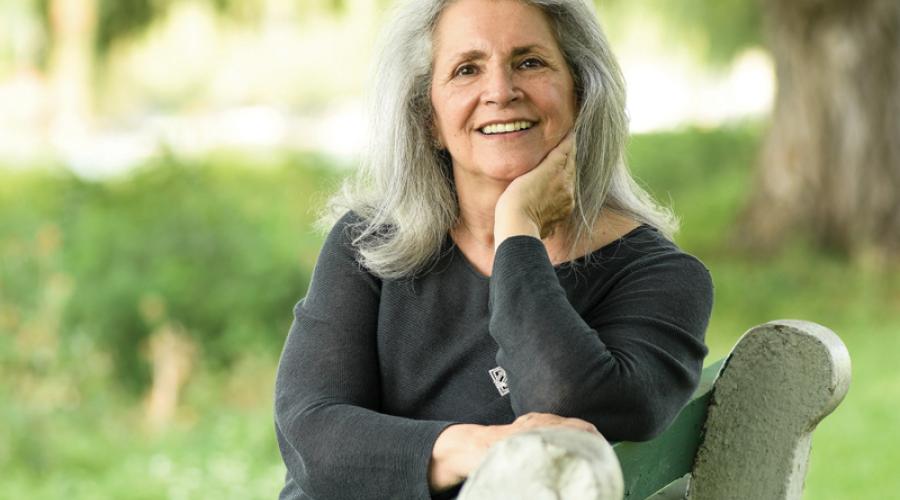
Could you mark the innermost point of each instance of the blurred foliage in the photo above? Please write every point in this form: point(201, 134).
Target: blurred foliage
point(228, 250)
point(705, 191)
point(215, 247)
point(93, 444)
point(720, 29)
point(717, 31)
point(117, 20)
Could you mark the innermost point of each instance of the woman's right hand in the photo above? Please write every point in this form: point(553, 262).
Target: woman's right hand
point(461, 448)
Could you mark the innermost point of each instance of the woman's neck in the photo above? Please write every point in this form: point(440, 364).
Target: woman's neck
point(474, 233)
point(476, 210)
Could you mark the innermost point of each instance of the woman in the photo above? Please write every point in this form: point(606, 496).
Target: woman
point(498, 270)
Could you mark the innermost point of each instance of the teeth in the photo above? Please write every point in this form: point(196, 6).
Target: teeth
point(499, 128)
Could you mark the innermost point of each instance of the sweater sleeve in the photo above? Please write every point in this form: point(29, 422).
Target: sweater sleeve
point(628, 365)
point(333, 439)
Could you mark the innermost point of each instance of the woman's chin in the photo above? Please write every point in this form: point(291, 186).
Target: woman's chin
point(509, 170)
point(500, 169)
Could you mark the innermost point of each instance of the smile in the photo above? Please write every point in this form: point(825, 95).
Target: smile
point(505, 128)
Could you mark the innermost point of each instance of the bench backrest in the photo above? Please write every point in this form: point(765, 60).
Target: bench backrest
point(649, 466)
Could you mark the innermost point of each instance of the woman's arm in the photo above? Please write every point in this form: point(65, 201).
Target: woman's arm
point(333, 439)
point(633, 361)
point(628, 365)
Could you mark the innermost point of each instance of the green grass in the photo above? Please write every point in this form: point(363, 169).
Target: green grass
point(75, 432)
point(105, 450)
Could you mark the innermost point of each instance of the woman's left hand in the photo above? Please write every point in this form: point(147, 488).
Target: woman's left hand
point(460, 448)
point(535, 202)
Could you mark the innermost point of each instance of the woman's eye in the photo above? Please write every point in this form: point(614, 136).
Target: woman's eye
point(465, 70)
point(532, 62)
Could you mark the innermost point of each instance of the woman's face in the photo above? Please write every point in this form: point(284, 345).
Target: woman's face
point(501, 91)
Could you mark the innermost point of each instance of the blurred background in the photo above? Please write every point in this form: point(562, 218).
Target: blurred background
point(162, 163)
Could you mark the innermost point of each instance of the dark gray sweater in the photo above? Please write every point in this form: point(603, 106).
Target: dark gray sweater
point(373, 370)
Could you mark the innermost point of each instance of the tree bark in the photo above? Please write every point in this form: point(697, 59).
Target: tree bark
point(830, 166)
point(73, 23)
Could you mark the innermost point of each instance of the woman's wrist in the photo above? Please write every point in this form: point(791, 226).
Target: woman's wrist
point(457, 451)
point(510, 221)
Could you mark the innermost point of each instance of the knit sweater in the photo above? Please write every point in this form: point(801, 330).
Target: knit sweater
point(373, 370)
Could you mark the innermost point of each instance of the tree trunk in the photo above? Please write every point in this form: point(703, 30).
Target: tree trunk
point(830, 166)
point(72, 23)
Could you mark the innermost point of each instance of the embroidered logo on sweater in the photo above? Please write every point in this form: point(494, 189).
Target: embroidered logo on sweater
point(498, 375)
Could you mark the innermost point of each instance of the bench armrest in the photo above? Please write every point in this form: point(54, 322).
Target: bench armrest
point(781, 379)
point(549, 463)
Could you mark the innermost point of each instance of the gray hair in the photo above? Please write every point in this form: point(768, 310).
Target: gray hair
point(404, 193)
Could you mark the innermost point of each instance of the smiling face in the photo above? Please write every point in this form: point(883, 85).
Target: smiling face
point(502, 93)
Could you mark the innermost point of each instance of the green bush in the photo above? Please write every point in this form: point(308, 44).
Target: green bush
point(703, 175)
point(219, 248)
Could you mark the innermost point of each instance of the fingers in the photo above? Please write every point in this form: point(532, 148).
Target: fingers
point(567, 141)
point(559, 188)
point(564, 151)
point(573, 153)
point(559, 155)
point(583, 425)
point(537, 420)
point(569, 170)
point(545, 195)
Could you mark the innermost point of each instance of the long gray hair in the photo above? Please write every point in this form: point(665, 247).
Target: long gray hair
point(404, 193)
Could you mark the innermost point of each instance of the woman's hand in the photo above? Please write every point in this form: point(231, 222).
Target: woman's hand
point(460, 448)
point(535, 202)
point(531, 421)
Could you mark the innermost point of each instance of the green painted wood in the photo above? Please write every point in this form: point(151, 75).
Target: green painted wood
point(651, 465)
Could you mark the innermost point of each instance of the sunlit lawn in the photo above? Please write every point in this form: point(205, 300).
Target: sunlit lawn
point(221, 445)
point(215, 449)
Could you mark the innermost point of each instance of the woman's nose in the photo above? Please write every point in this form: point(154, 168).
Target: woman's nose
point(500, 88)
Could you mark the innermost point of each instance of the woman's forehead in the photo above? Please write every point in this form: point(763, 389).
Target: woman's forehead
point(469, 26)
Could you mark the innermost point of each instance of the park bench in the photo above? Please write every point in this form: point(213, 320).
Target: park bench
point(745, 434)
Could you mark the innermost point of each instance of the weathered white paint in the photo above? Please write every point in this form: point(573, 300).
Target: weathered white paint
point(779, 381)
point(551, 464)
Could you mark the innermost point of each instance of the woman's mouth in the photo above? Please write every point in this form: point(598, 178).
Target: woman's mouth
point(506, 128)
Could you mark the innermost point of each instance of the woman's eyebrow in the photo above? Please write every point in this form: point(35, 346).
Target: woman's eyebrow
point(518, 51)
point(476, 54)
point(470, 55)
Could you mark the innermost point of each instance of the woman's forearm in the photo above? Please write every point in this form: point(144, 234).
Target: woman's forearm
point(629, 367)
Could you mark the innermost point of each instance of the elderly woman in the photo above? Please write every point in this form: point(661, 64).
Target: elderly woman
point(496, 269)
